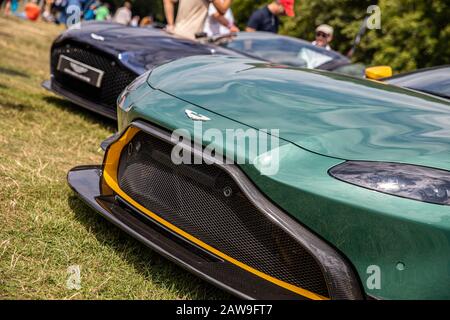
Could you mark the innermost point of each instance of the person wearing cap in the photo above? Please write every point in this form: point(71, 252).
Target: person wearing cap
point(324, 35)
point(266, 18)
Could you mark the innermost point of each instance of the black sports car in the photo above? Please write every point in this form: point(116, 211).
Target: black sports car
point(434, 81)
point(289, 51)
point(92, 65)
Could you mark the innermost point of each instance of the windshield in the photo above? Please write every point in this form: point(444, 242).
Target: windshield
point(284, 51)
point(434, 81)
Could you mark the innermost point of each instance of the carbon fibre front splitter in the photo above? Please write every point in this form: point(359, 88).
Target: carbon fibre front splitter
point(87, 182)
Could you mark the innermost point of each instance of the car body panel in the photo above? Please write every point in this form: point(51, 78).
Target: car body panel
point(401, 231)
point(122, 53)
point(88, 183)
point(408, 240)
point(327, 113)
point(435, 80)
point(84, 179)
point(370, 228)
point(140, 49)
point(284, 50)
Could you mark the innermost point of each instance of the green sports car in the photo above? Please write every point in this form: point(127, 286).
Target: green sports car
point(281, 183)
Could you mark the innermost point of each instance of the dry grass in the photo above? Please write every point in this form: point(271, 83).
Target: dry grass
point(44, 228)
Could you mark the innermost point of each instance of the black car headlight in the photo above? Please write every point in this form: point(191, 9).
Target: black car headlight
point(402, 180)
point(133, 61)
point(124, 103)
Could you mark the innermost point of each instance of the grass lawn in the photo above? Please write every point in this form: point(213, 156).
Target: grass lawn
point(44, 228)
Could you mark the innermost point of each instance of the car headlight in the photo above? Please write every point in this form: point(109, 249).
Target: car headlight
point(132, 60)
point(124, 103)
point(402, 180)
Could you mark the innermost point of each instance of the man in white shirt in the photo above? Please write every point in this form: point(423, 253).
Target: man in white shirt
point(191, 15)
point(123, 14)
point(217, 24)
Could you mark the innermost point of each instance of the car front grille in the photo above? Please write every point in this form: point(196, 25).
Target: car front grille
point(205, 202)
point(115, 79)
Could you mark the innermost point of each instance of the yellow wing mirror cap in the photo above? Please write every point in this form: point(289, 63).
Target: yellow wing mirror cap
point(378, 72)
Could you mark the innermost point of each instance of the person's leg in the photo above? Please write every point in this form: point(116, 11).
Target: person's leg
point(14, 6)
point(8, 7)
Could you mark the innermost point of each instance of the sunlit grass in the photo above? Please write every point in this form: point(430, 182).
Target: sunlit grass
point(44, 228)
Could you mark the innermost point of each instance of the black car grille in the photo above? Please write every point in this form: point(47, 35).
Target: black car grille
point(115, 79)
point(204, 201)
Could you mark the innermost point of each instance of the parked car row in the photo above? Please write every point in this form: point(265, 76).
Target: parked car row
point(91, 66)
point(358, 206)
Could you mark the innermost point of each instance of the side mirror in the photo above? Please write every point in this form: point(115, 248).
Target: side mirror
point(200, 35)
point(378, 72)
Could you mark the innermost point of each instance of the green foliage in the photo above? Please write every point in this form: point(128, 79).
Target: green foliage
point(44, 227)
point(414, 33)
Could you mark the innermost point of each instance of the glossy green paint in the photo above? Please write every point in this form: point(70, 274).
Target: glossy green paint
point(328, 113)
point(370, 228)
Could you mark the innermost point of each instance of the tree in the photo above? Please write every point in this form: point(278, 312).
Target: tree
point(414, 33)
point(344, 15)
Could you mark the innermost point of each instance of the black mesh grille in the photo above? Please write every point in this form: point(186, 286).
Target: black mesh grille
point(115, 79)
point(205, 202)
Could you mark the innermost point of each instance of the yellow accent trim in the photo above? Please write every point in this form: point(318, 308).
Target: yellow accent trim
point(378, 72)
point(111, 162)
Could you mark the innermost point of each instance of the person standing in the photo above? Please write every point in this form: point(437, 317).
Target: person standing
point(135, 21)
point(89, 11)
point(324, 35)
point(102, 13)
point(7, 9)
point(217, 24)
point(191, 15)
point(47, 14)
point(146, 21)
point(267, 18)
point(123, 15)
point(14, 6)
point(31, 11)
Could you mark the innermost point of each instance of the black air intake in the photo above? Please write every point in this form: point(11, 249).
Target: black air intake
point(115, 79)
point(204, 201)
